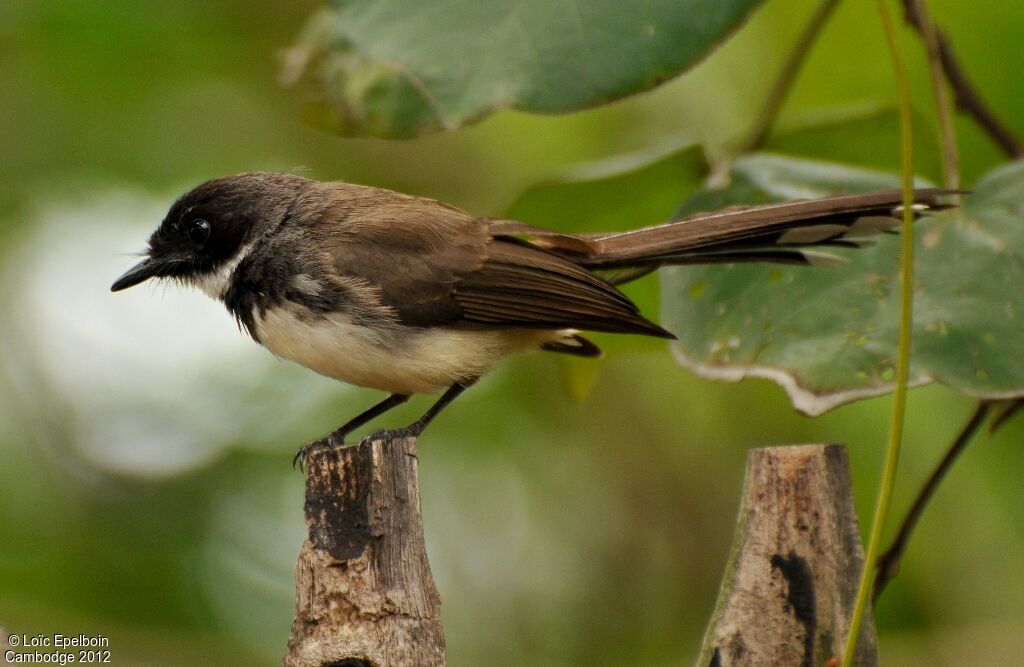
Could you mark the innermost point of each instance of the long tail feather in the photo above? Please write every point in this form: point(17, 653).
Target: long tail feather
point(757, 233)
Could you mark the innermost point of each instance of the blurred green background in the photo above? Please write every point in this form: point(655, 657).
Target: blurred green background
point(575, 514)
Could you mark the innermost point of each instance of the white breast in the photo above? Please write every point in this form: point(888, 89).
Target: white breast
point(403, 360)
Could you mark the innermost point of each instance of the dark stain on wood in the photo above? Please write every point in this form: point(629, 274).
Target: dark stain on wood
point(800, 597)
point(337, 493)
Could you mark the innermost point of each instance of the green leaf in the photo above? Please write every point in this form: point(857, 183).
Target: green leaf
point(828, 335)
point(622, 192)
point(399, 68)
point(865, 135)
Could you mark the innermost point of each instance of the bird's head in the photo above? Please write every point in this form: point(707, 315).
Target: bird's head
point(208, 231)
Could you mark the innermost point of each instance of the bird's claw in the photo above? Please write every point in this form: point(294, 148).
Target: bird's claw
point(333, 440)
point(389, 435)
point(302, 453)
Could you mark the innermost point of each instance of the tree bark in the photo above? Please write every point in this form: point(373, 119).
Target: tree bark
point(364, 594)
point(790, 583)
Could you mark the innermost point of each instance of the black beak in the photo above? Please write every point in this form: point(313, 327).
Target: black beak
point(148, 268)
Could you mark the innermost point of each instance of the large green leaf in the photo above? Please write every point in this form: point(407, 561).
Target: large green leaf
point(828, 335)
point(622, 192)
point(404, 67)
point(865, 135)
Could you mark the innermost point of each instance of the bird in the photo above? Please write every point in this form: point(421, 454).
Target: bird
point(411, 295)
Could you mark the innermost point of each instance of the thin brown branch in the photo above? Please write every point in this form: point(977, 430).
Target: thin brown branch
point(784, 82)
point(943, 105)
point(888, 564)
point(1009, 409)
point(968, 98)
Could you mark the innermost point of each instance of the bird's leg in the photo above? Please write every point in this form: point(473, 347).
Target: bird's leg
point(415, 428)
point(337, 437)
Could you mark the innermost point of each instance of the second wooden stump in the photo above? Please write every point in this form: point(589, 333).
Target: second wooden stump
point(790, 583)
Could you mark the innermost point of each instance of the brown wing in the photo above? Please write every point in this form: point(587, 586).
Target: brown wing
point(436, 265)
point(520, 285)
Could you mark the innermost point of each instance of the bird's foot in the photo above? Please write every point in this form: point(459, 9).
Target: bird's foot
point(327, 442)
point(337, 439)
point(388, 435)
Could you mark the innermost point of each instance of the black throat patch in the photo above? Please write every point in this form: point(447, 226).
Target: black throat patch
point(284, 271)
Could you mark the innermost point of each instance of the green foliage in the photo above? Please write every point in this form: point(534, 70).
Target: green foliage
point(829, 335)
point(398, 68)
point(628, 191)
point(865, 135)
point(168, 518)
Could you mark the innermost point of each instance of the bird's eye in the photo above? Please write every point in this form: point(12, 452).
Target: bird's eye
point(198, 231)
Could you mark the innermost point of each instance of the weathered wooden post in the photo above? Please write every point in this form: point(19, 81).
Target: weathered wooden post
point(364, 594)
point(790, 582)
